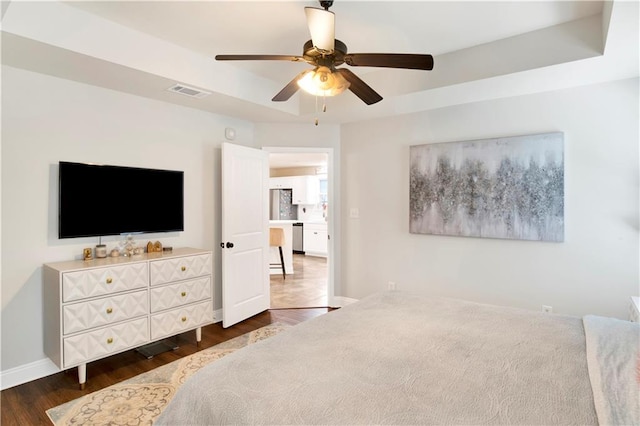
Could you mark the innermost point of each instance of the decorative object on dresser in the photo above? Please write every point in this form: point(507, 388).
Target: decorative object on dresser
point(511, 187)
point(101, 251)
point(128, 246)
point(86, 254)
point(154, 247)
point(106, 306)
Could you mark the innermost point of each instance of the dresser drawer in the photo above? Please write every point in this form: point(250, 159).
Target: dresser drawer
point(103, 311)
point(181, 319)
point(105, 341)
point(182, 293)
point(80, 285)
point(179, 268)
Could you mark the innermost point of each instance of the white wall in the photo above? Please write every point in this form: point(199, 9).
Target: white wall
point(594, 271)
point(46, 120)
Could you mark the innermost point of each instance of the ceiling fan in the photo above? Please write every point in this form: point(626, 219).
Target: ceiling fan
point(326, 53)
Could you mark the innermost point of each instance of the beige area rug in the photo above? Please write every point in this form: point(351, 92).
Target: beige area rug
point(141, 399)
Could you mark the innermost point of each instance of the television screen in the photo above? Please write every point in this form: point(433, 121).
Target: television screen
point(98, 200)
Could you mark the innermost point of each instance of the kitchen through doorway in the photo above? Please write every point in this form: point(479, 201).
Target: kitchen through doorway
point(300, 204)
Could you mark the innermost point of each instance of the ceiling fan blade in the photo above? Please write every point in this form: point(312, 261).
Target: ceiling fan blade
point(322, 27)
point(390, 60)
point(359, 87)
point(289, 90)
point(259, 58)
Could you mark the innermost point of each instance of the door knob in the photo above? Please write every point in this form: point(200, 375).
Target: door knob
point(229, 245)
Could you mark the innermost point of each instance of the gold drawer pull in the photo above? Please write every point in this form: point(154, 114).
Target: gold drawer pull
point(109, 280)
point(184, 268)
point(110, 340)
point(183, 294)
point(184, 319)
point(109, 310)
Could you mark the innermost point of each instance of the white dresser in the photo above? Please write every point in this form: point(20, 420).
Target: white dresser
point(97, 308)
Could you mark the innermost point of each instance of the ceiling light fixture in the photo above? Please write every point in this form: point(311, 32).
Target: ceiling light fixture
point(322, 81)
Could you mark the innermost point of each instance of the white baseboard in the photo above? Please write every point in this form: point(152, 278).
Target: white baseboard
point(26, 373)
point(316, 254)
point(341, 301)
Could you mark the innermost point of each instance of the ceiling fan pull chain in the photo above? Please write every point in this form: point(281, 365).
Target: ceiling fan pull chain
point(316, 110)
point(324, 103)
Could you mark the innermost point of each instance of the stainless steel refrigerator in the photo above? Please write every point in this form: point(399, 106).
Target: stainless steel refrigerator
point(280, 205)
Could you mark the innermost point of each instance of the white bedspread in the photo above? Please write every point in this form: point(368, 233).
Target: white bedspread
point(397, 358)
point(613, 355)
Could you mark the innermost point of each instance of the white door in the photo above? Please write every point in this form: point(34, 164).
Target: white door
point(245, 239)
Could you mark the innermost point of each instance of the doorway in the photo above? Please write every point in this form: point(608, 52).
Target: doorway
point(309, 281)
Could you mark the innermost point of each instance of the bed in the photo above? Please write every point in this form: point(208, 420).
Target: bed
point(400, 358)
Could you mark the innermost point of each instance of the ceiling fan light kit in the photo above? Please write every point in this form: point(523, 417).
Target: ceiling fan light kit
point(326, 53)
point(323, 82)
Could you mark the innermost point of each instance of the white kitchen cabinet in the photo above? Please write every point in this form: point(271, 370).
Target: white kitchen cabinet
point(281, 182)
point(97, 308)
point(315, 239)
point(306, 190)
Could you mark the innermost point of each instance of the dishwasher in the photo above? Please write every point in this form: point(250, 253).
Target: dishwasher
point(298, 246)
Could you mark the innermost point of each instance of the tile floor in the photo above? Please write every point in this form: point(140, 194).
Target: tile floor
point(306, 288)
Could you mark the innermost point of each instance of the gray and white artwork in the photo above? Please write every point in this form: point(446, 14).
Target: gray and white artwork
point(496, 188)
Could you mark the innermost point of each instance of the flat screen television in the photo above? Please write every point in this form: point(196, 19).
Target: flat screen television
point(98, 200)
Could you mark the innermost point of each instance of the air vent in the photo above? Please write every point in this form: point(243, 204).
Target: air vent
point(188, 91)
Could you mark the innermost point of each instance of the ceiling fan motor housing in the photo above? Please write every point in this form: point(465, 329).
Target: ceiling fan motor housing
point(313, 56)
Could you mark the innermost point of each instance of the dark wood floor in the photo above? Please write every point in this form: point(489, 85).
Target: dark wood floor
point(26, 404)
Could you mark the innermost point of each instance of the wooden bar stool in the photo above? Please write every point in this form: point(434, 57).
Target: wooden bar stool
point(276, 239)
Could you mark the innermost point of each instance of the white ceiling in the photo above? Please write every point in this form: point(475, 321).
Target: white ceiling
point(482, 50)
point(266, 27)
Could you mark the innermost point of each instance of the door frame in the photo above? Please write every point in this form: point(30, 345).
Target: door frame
point(333, 242)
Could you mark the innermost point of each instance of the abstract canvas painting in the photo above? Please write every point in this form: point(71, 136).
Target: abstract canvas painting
point(510, 187)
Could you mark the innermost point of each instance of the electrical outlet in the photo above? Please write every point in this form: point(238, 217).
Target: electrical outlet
point(392, 285)
point(547, 309)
